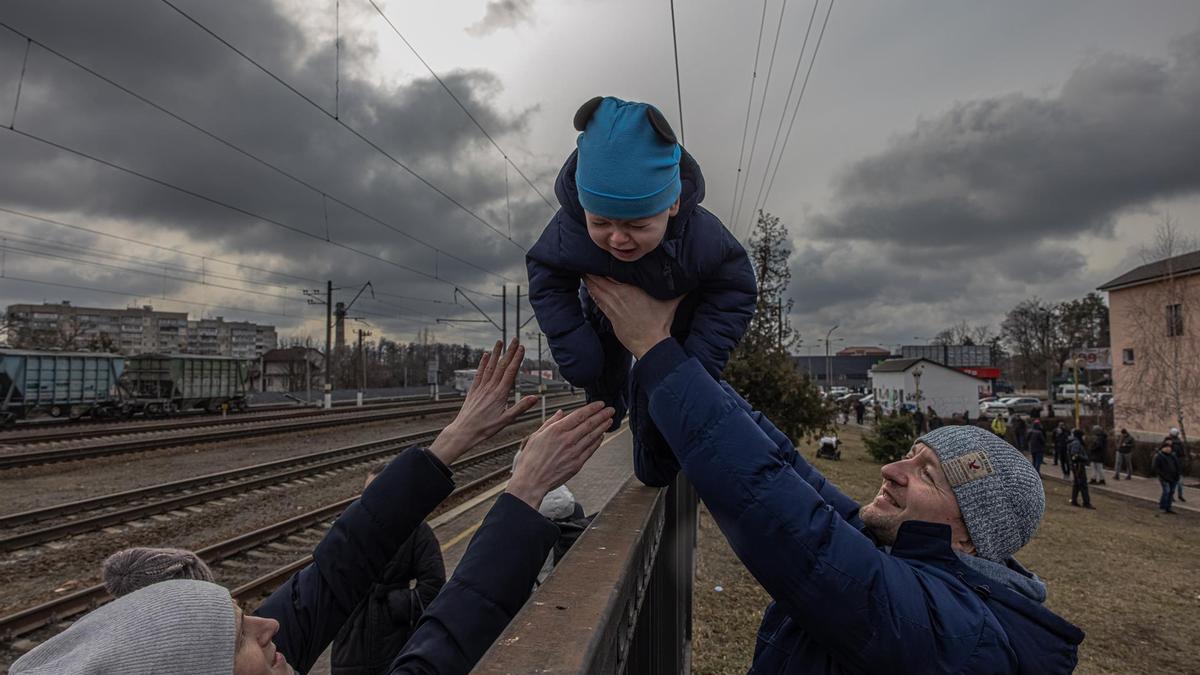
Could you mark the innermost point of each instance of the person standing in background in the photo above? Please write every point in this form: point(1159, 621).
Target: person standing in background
point(1035, 440)
point(1124, 456)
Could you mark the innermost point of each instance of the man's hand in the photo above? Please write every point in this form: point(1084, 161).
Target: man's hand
point(557, 451)
point(639, 320)
point(484, 411)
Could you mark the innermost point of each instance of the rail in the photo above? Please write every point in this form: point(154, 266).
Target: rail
point(32, 618)
point(621, 599)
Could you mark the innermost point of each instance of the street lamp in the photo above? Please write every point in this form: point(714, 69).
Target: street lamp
point(917, 373)
point(1075, 363)
point(828, 363)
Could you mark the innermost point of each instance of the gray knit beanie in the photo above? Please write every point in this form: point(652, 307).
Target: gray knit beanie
point(133, 568)
point(999, 493)
point(181, 627)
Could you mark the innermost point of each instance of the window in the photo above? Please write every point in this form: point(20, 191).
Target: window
point(1174, 320)
point(1127, 357)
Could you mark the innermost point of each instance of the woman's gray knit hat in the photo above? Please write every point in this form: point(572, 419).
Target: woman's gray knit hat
point(130, 569)
point(999, 493)
point(182, 627)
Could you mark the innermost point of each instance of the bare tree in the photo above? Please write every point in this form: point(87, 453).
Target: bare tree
point(1165, 375)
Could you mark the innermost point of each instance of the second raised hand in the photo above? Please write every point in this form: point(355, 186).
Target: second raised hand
point(485, 411)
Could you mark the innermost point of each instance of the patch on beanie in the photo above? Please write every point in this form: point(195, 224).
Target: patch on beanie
point(966, 468)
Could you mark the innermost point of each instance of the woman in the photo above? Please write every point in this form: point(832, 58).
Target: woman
point(194, 628)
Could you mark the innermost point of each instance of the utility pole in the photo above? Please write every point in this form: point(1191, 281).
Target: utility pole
point(313, 299)
point(517, 334)
point(541, 383)
point(504, 316)
point(362, 361)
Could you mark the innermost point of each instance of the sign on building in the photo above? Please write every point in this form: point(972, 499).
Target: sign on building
point(1093, 358)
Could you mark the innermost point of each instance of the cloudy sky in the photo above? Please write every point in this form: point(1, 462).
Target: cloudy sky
point(947, 159)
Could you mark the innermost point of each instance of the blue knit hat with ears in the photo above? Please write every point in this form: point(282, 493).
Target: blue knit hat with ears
point(628, 164)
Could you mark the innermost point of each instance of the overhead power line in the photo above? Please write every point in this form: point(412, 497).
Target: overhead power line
point(130, 240)
point(464, 107)
point(746, 125)
point(237, 209)
point(796, 109)
point(98, 289)
point(678, 86)
point(337, 120)
point(758, 124)
point(783, 111)
point(245, 153)
point(91, 251)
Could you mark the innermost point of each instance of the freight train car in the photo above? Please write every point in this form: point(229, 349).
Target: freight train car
point(163, 384)
point(58, 384)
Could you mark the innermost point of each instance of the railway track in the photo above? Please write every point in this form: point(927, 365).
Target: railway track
point(249, 561)
point(69, 432)
point(21, 459)
point(89, 515)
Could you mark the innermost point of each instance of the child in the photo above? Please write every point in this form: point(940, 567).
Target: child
point(630, 200)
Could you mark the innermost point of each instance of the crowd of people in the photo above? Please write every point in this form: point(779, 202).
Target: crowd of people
point(1080, 456)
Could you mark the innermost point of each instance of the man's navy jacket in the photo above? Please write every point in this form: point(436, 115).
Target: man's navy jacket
point(489, 586)
point(843, 604)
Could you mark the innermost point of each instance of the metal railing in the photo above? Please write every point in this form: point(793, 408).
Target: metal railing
point(621, 599)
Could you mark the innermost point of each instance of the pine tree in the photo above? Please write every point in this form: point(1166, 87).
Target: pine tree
point(761, 369)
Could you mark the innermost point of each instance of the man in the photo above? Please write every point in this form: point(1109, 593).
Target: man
point(1036, 442)
point(381, 624)
point(919, 580)
point(1124, 458)
point(934, 421)
point(1019, 429)
point(1166, 467)
point(1062, 457)
point(860, 411)
point(999, 427)
point(1096, 451)
point(918, 419)
point(1078, 459)
point(1180, 451)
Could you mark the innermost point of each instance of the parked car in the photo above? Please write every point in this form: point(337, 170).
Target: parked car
point(996, 407)
point(1022, 405)
point(838, 391)
point(1066, 392)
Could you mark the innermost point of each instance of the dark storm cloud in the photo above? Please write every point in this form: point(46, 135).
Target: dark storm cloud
point(1003, 171)
point(160, 55)
point(501, 14)
point(992, 201)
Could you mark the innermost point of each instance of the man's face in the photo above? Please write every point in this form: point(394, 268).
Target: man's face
point(915, 488)
point(254, 653)
point(629, 240)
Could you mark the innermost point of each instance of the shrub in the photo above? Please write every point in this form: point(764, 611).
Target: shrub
point(892, 439)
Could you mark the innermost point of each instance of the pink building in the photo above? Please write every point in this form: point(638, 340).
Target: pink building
point(1154, 317)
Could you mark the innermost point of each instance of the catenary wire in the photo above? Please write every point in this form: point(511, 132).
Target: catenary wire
point(749, 104)
point(678, 86)
point(464, 107)
point(784, 110)
point(245, 153)
point(762, 106)
point(803, 88)
point(337, 120)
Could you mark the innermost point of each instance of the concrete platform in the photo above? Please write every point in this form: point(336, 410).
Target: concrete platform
point(593, 487)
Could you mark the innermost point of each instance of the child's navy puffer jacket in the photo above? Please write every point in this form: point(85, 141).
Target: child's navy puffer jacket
point(698, 257)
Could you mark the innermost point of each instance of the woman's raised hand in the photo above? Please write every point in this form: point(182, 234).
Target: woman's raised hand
point(485, 411)
point(557, 451)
